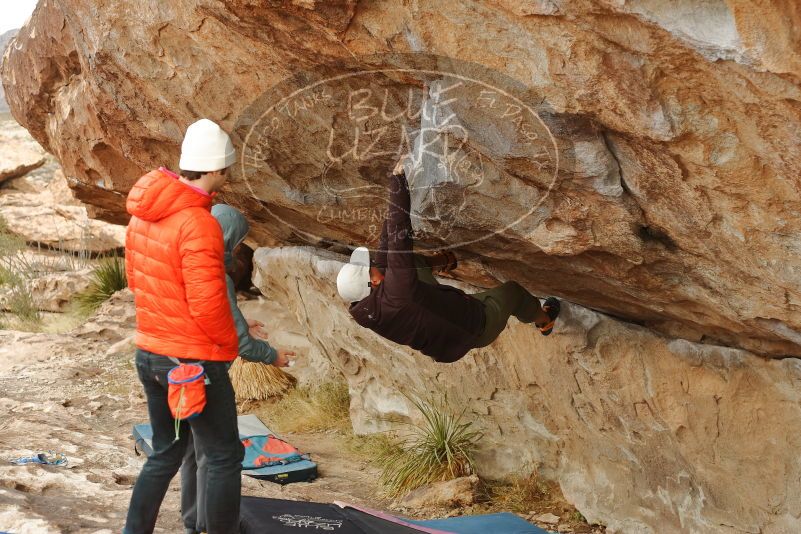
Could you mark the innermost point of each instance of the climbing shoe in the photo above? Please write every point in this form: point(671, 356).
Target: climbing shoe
point(451, 261)
point(443, 263)
point(551, 308)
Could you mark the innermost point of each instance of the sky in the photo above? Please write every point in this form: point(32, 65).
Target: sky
point(14, 13)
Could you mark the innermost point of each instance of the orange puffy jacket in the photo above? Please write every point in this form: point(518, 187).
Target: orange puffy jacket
point(174, 262)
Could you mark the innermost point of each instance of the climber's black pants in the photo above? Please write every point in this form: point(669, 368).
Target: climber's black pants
point(214, 430)
point(507, 300)
point(502, 302)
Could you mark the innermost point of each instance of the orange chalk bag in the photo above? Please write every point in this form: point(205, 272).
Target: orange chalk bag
point(186, 392)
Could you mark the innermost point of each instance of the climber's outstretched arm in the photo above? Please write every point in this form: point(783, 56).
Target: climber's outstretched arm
point(380, 259)
point(401, 276)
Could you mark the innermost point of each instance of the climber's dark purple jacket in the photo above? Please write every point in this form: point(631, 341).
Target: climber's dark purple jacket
point(438, 320)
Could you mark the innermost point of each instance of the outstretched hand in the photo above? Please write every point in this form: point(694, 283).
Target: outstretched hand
point(255, 329)
point(285, 358)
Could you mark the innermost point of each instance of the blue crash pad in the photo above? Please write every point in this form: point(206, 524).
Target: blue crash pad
point(249, 425)
point(482, 524)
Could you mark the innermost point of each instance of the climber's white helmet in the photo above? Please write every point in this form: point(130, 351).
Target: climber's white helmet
point(206, 148)
point(353, 280)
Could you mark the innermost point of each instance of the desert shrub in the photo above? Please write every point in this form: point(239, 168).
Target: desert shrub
point(15, 278)
point(23, 306)
point(21, 263)
point(440, 448)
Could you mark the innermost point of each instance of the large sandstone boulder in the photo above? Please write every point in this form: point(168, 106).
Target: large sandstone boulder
point(114, 321)
point(674, 126)
point(644, 433)
point(285, 332)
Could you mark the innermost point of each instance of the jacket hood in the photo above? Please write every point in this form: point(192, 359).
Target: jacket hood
point(234, 228)
point(157, 195)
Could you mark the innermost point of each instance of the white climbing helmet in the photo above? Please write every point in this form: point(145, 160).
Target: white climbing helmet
point(353, 280)
point(206, 148)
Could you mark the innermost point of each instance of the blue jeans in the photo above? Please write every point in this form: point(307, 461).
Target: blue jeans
point(214, 430)
point(193, 488)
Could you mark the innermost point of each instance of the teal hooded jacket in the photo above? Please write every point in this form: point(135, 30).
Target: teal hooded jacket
point(234, 229)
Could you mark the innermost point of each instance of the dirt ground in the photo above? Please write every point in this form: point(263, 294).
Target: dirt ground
point(77, 393)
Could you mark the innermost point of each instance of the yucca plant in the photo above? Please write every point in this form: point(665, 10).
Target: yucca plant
point(107, 278)
point(441, 448)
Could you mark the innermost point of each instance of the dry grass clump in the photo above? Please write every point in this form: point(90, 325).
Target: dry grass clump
point(531, 493)
point(257, 381)
point(6, 276)
point(311, 409)
point(520, 494)
point(372, 447)
point(23, 307)
point(325, 408)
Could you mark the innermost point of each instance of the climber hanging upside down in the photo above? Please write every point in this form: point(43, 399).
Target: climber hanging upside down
point(397, 296)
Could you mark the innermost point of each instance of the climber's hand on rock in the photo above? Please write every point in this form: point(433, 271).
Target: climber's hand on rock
point(398, 170)
point(285, 358)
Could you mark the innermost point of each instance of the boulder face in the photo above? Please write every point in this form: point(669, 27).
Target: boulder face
point(644, 433)
point(660, 183)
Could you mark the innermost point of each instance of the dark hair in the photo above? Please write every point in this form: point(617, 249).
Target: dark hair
point(191, 175)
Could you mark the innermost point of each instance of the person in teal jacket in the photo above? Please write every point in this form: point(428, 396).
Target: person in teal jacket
point(252, 347)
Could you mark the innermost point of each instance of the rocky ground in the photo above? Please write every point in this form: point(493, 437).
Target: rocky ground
point(77, 393)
